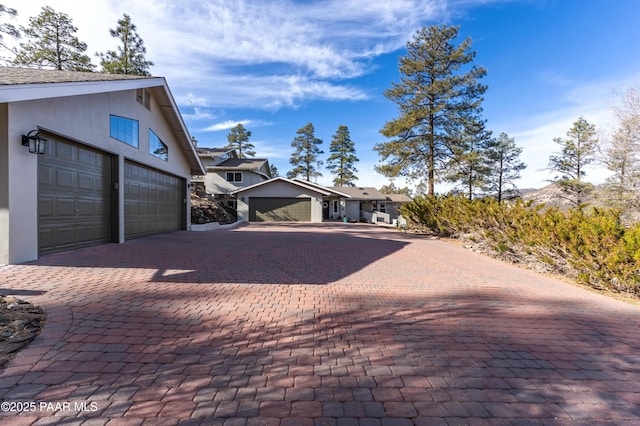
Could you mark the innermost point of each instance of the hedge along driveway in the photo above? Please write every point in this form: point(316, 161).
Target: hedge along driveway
point(316, 324)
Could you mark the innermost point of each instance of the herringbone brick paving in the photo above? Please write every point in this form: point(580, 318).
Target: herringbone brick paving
point(333, 324)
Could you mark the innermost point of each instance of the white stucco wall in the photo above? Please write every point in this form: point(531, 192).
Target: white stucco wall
point(4, 186)
point(280, 189)
point(352, 210)
point(84, 118)
point(216, 181)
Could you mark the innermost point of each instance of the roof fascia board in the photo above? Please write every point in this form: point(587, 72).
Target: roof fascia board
point(190, 149)
point(28, 92)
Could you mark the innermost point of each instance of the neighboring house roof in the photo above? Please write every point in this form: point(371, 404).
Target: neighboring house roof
point(247, 164)
point(242, 163)
point(290, 181)
point(398, 198)
point(367, 193)
point(24, 84)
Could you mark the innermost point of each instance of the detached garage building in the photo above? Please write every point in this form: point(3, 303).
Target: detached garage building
point(280, 200)
point(112, 161)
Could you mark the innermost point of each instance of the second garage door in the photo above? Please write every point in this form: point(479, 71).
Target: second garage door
point(153, 201)
point(279, 209)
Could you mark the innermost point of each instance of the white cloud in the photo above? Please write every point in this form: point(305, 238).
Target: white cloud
point(228, 124)
point(251, 53)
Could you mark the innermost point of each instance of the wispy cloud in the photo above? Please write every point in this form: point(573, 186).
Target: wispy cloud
point(273, 54)
point(252, 53)
point(228, 124)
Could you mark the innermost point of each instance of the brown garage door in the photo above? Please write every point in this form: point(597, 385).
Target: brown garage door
point(74, 196)
point(279, 209)
point(153, 201)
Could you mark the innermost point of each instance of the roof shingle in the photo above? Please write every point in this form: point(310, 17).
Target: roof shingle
point(14, 75)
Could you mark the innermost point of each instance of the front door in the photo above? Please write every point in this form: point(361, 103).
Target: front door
point(325, 209)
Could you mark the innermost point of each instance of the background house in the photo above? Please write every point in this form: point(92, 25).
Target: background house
point(280, 200)
point(117, 162)
point(227, 173)
point(361, 202)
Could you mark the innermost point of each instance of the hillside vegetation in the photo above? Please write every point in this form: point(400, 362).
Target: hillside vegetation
point(591, 245)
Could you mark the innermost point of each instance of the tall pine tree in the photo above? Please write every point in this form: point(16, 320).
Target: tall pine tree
point(52, 42)
point(342, 160)
point(130, 57)
point(437, 97)
point(305, 157)
point(238, 139)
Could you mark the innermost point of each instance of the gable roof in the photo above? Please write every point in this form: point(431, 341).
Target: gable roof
point(283, 179)
point(324, 188)
point(246, 164)
point(366, 193)
point(24, 84)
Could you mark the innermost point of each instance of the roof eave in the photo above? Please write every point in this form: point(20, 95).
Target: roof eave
point(33, 91)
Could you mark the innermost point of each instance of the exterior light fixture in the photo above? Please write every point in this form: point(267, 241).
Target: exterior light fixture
point(36, 143)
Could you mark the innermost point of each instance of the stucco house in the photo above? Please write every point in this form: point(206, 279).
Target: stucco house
point(227, 173)
point(112, 160)
point(280, 200)
point(296, 199)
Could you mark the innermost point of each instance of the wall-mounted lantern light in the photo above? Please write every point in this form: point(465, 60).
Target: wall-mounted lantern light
point(36, 143)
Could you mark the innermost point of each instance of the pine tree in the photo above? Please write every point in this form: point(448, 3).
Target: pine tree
point(503, 157)
point(468, 167)
point(391, 188)
point(7, 28)
point(53, 43)
point(578, 150)
point(274, 171)
point(343, 157)
point(305, 157)
point(436, 99)
point(130, 57)
point(238, 139)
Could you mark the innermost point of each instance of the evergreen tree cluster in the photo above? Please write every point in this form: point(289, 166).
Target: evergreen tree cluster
point(341, 161)
point(51, 42)
point(440, 135)
point(305, 158)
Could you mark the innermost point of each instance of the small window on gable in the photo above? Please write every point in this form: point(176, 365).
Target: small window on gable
point(142, 96)
point(124, 129)
point(157, 148)
point(234, 176)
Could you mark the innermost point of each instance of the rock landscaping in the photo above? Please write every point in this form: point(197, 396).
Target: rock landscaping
point(206, 209)
point(20, 323)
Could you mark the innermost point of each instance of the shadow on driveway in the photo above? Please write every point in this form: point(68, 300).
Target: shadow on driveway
point(251, 255)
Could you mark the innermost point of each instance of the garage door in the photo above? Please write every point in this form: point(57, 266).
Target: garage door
point(279, 209)
point(153, 201)
point(74, 196)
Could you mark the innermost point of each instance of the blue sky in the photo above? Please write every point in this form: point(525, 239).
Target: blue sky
point(277, 65)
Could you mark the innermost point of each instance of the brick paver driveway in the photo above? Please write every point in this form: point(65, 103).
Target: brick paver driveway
point(315, 325)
